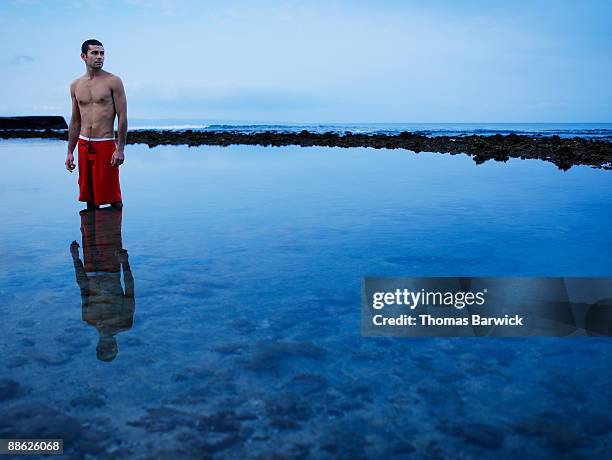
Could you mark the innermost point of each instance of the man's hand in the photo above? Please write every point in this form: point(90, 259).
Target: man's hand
point(117, 158)
point(74, 249)
point(122, 256)
point(70, 162)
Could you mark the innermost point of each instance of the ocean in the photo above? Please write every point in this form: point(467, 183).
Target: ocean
point(586, 130)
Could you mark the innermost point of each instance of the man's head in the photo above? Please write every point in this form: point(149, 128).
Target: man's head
point(92, 53)
point(107, 347)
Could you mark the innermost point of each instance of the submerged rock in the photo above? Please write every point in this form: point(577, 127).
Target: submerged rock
point(402, 448)
point(16, 361)
point(35, 420)
point(288, 406)
point(557, 432)
point(478, 434)
point(269, 355)
point(595, 424)
point(51, 358)
point(88, 401)
point(164, 419)
point(306, 383)
point(9, 389)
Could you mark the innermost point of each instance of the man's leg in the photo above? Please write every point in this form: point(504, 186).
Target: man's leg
point(85, 176)
point(106, 177)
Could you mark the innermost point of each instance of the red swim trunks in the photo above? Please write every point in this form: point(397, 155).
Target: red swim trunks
point(98, 180)
point(101, 230)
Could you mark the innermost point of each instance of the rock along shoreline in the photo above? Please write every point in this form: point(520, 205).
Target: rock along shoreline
point(563, 152)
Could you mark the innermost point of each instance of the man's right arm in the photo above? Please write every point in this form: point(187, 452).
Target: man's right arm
point(81, 275)
point(128, 278)
point(74, 128)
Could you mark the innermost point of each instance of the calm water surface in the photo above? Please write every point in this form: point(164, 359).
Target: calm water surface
point(234, 330)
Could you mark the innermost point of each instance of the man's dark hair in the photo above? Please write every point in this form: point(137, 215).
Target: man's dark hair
point(86, 43)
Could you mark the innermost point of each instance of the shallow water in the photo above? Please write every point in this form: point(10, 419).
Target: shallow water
point(243, 335)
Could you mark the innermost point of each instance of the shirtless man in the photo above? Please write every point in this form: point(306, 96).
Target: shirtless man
point(97, 97)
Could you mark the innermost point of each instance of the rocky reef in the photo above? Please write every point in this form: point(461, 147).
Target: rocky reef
point(563, 152)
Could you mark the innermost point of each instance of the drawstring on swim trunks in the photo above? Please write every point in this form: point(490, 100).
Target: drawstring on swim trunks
point(90, 147)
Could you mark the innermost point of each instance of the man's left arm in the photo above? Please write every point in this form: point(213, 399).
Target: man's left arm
point(120, 102)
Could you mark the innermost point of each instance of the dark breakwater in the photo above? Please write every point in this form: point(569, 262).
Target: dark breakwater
point(35, 122)
point(564, 153)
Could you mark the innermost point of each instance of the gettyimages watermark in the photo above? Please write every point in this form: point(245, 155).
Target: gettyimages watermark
point(486, 307)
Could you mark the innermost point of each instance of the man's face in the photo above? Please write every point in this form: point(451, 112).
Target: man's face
point(94, 57)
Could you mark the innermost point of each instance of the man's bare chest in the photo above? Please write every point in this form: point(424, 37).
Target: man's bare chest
point(93, 93)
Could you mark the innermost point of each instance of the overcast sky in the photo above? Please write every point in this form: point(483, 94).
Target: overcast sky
point(311, 61)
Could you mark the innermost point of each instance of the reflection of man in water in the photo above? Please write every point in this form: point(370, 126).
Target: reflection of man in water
point(106, 305)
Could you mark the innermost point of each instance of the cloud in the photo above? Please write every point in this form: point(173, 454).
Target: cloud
point(48, 108)
point(163, 7)
point(26, 2)
point(235, 99)
point(21, 59)
point(538, 105)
